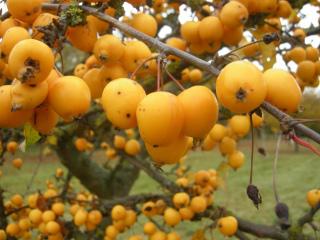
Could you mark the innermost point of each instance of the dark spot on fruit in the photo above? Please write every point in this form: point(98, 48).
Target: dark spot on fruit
point(118, 92)
point(148, 209)
point(155, 146)
point(128, 115)
point(241, 94)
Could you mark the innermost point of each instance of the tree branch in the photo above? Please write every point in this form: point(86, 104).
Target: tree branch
point(240, 235)
point(150, 170)
point(132, 201)
point(204, 65)
point(308, 217)
point(3, 219)
point(261, 231)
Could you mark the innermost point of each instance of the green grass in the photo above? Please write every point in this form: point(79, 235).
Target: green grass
point(297, 173)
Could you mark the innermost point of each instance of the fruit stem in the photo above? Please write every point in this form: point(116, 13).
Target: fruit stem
point(158, 73)
point(274, 172)
point(174, 79)
point(133, 74)
point(252, 148)
point(244, 46)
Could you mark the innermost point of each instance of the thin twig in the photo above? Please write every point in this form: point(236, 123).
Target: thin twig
point(35, 172)
point(252, 149)
point(274, 172)
point(174, 79)
point(141, 65)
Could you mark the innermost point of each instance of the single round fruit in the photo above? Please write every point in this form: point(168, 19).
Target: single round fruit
point(186, 213)
point(119, 142)
point(218, 132)
point(149, 209)
point(12, 147)
point(27, 97)
point(206, 27)
point(26, 11)
point(134, 54)
point(52, 227)
point(82, 37)
point(159, 235)
point(95, 217)
point(48, 216)
point(145, 23)
point(241, 87)
point(111, 231)
point(108, 48)
point(240, 125)
point(236, 159)
point(111, 71)
point(44, 119)
point(306, 71)
point(17, 200)
point(208, 144)
point(12, 229)
point(297, 54)
point(118, 212)
point(181, 199)
point(195, 75)
point(17, 163)
point(257, 121)
point(168, 154)
point(228, 226)
point(283, 90)
point(149, 228)
point(80, 217)
point(233, 14)
point(313, 197)
point(190, 31)
point(35, 216)
point(120, 99)
point(227, 145)
point(58, 208)
point(198, 204)
point(11, 37)
point(160, 118)
point(94, 82)
point(69, 97)
point(80, 70)
point(312, 54)
point(171, 217)
point(31, 61)
point(201, 111)
point(131, 218)
point(132, 147)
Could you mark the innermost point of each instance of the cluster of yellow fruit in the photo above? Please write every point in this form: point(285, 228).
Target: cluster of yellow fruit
point(122, 219)
point(12, 147)
point(193, 76)
point(227, 137)
point(165, 121)
point(308, 70)
point(131, 146)
point(241, 87)
point(46, 214)
point(229, 24)
point(30, 63)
